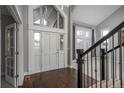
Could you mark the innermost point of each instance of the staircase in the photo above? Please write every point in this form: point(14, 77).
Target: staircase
point(107, 66)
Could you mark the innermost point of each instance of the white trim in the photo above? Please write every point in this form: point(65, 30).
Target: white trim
point(15, 13)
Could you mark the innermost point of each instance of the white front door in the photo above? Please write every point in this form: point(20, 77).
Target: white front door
point(50, 51)
point(11, 53)
point(54, 50)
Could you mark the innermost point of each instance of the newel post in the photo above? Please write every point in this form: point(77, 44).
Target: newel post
point(79, 68)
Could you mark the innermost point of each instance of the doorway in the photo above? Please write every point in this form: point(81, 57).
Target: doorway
point(8, 49)
point(48, 51)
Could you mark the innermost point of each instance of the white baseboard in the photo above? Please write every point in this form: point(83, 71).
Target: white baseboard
point(26, 73)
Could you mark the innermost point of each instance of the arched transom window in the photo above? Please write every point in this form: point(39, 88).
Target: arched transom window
point(48, 16)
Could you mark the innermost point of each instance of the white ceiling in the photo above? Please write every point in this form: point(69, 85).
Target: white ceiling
point(93, 14)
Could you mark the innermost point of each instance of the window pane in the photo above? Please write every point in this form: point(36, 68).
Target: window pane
point(87, 34)
point(104, 33)
point(79, 33)
point(36, 39)
point(61, 22)
point(49, 16)
point(36, 16)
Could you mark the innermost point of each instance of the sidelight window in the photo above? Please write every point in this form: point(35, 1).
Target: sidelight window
point(61, 42)
point(37, 39)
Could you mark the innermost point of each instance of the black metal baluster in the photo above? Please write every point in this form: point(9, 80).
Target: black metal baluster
point(103, 64)
point(111, 67)
point(100, 68)
point(96, 67)
point(120, 57)
point(84, 73)
point(91, 70)
point(113, 61)
point(115, 65)
point(87, 71)
point(107, 64)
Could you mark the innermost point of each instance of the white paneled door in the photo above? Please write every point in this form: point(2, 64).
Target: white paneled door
point(45, 51)
point(10, 54)
point(48, 51)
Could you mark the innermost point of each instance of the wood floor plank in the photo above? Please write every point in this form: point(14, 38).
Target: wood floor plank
point(60, 78)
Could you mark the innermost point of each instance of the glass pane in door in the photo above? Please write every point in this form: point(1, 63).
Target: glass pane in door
point(36, 39)
point(61, 42)
point(10, 52)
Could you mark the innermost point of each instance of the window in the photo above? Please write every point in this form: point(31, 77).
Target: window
point(61, 42)
point(61, 26)
point(81, 38)
point(79, 33)
point(87, 34)
point(104, 33)
point(47, 16)
point(36, 16)
point(36, 39)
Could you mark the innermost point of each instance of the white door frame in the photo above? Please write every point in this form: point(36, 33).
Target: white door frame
point(17, 16)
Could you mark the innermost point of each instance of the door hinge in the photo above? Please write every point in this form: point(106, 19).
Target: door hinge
point(16, 76)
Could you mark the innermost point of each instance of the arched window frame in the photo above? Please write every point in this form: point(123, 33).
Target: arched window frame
point(60, 14)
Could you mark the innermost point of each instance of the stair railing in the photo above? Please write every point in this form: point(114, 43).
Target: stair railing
point(102, 68)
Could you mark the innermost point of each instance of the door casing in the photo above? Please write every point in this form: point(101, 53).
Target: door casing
point(49, 56)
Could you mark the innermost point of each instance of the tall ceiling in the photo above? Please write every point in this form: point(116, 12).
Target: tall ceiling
point(93, 14)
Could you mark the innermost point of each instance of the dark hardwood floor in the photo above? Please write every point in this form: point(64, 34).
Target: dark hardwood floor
point(60, 78)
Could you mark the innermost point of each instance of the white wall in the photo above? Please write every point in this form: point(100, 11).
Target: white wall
point(20, 46)
point(25, 40)
point(112, 21)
